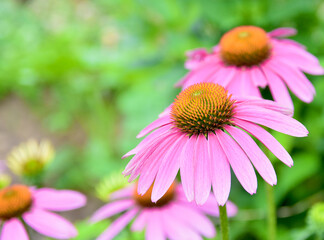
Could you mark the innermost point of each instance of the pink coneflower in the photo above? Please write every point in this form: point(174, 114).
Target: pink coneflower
point(20, 205)
point(247, 58)
point(170, 217)
point(202, 134)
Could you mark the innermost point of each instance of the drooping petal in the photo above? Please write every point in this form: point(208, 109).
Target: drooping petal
point(240, 163)
point(224, 75)
point(295, 80)
point(267, 139)
point(58, 200)
point(157, 123)
point(168, 169)
point(220, 170)
point(122, 193)
point(175, 229)
point(111, 209)
point(272, 119)
point(13, 229)
point(49, 224)
point(202, 162)
point(194, 219)
point(257, 157)
point(143, 144)
point(301, 62)
point(278, 89)
point(118, 225)
point(135, 166)
point(153, 164)
point(248, 88)
point(258, 77)
point(187, 168)
point(141, 220)
point(154, 230)
point(283, 32)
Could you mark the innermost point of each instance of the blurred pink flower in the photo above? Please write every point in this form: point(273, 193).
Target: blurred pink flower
point(171, 217)
point(195, 57)
point(32, 206)
point(204, 133)
point(247, 58)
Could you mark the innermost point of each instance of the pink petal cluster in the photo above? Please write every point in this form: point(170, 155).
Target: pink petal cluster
point(284, 68)
point(206, 162)
point(41, 219)
point(178, 219)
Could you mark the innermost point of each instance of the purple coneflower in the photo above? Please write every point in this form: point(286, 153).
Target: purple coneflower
point(248, 58)
point(21, 205)
point(172, 216)
point(204, 133)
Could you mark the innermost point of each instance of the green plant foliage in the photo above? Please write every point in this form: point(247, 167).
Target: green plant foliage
point(96, 72)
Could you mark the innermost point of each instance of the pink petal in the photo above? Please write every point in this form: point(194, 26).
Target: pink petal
point(244, 103)
point(118, 225)
point(201, 74)
point(175, 229)
point(258, 77)
point(248, 88)
point(267, 139)
point(50, 224)
point(143, 144)
point(141, 220)
point(168, 169)
point(202, 170)
point(154, 230)
point(220, 168)
point(156, 124)
point(282, 32)
point(153, 164)
point(272, 119)
point(195, 57)
point(295, 80)
point(187, 167)
point(240, 164)
point(122, 193)
point(58, 200)
point(13, 229)
point(194, 219)
point(111, 209)
point(303, 63)
point(257, 157)
point(278, 89)
point(135, 166)
point(224, 75)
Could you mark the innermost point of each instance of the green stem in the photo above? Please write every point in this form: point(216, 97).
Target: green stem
point(26, 228)
point(272, 217)
point(224, 222)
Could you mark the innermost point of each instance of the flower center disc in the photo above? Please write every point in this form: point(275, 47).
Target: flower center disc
point(245, 46)
point(202, 108)
point(145, 200)
point(14, 201)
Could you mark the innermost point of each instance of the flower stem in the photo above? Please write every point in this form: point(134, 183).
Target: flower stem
point(272, 217)
point(224, 222)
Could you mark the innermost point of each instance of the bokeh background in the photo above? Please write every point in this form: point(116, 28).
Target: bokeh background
point(89, 75)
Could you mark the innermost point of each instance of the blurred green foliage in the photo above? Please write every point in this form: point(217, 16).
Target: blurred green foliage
point(104, 69)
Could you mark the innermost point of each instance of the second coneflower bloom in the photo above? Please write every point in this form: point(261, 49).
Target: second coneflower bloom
point(172, 217)
point(248, 58)
point(205, 133)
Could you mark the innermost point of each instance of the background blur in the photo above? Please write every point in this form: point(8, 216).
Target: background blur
point(89, 75)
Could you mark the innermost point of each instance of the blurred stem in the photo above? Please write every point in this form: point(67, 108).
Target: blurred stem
point(224, 222)
point(272, 218)
point(26, 228)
